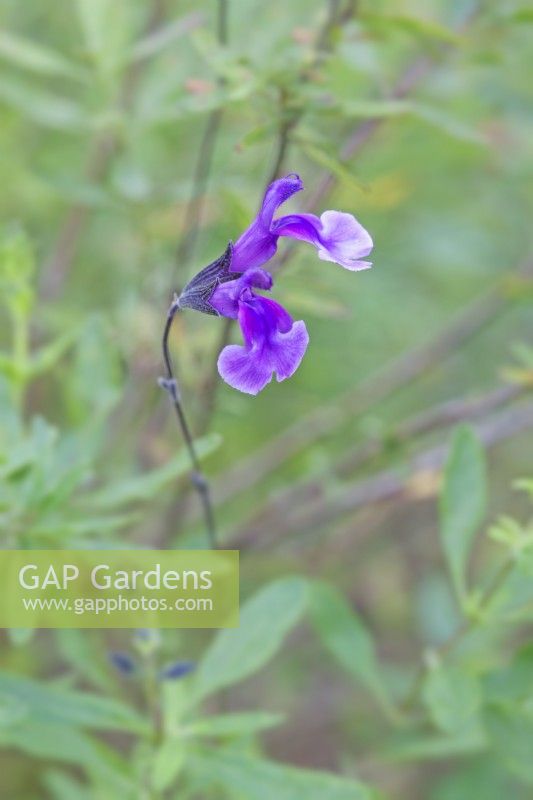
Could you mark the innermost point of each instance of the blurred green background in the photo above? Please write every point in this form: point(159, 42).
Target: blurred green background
point(137, 139)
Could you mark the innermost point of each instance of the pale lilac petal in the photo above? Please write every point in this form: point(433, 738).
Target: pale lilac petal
point(338, 236)
point(257, 244)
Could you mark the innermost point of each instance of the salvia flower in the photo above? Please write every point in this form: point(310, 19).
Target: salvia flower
point(123, 662)
point(177, 670)
point(273, 342)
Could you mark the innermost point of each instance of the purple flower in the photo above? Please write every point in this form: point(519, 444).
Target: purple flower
point(179, 669)
point(123, 662)
point(273, 342)
point(336, 235)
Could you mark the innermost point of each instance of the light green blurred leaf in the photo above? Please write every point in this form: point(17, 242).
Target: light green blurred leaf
point(439, 118)
point(265, 620)
point(448, 124)
point(462, 503)
point(173, 702)
point(511, 735)
point(168, 762)
point(332, 164)
point(259, 134)
point(227, 725)
point(248, 778)
point(56, 742)
point(52, 704)
point(106, 29)
point(452, 697)
point(37, 57)
point(512, 686)
point(419, 26)
point(63, 786)
point(44, 108)
point(343, 634)
point(481, 777)
point(48, 355)
point(80, 649)
point(95, 377)
point(434, 748)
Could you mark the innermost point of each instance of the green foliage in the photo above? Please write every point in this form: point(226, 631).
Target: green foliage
point(463, 501)
point(413, 117)
point(348, 641)
point(265, 620)
point(256, 779)
point(452, 697)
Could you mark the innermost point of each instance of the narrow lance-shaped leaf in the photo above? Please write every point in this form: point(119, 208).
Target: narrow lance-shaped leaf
point(37, 57)
point(462, 503)
point(228, 725)
point(265, 620)
point(346, 638)
point(52, 704)
point(258, 779)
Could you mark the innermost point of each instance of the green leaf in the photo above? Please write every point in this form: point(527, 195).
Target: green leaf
point(229, 725)
point(173, 704)
point(452, 697)
point(346, 638)
point(81, 650)
point(49, 739)
point(418, 26)
point(64, 787)
point(106, 29)
point(479, 778)
point(50, 703)
point(511, 735)
point(246, 778)
point(444, 121)
point(462, 503)
point(512, 686)
point(333, 165)
point(168, 762)
point(96, 376)
point(265, 620)
point(37, 58)
point(448, 124)
point(48, 356)
point(430, 748)
point(45, 108)
point(56, 742)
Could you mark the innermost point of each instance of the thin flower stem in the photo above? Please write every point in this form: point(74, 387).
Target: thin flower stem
point(170, 384)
